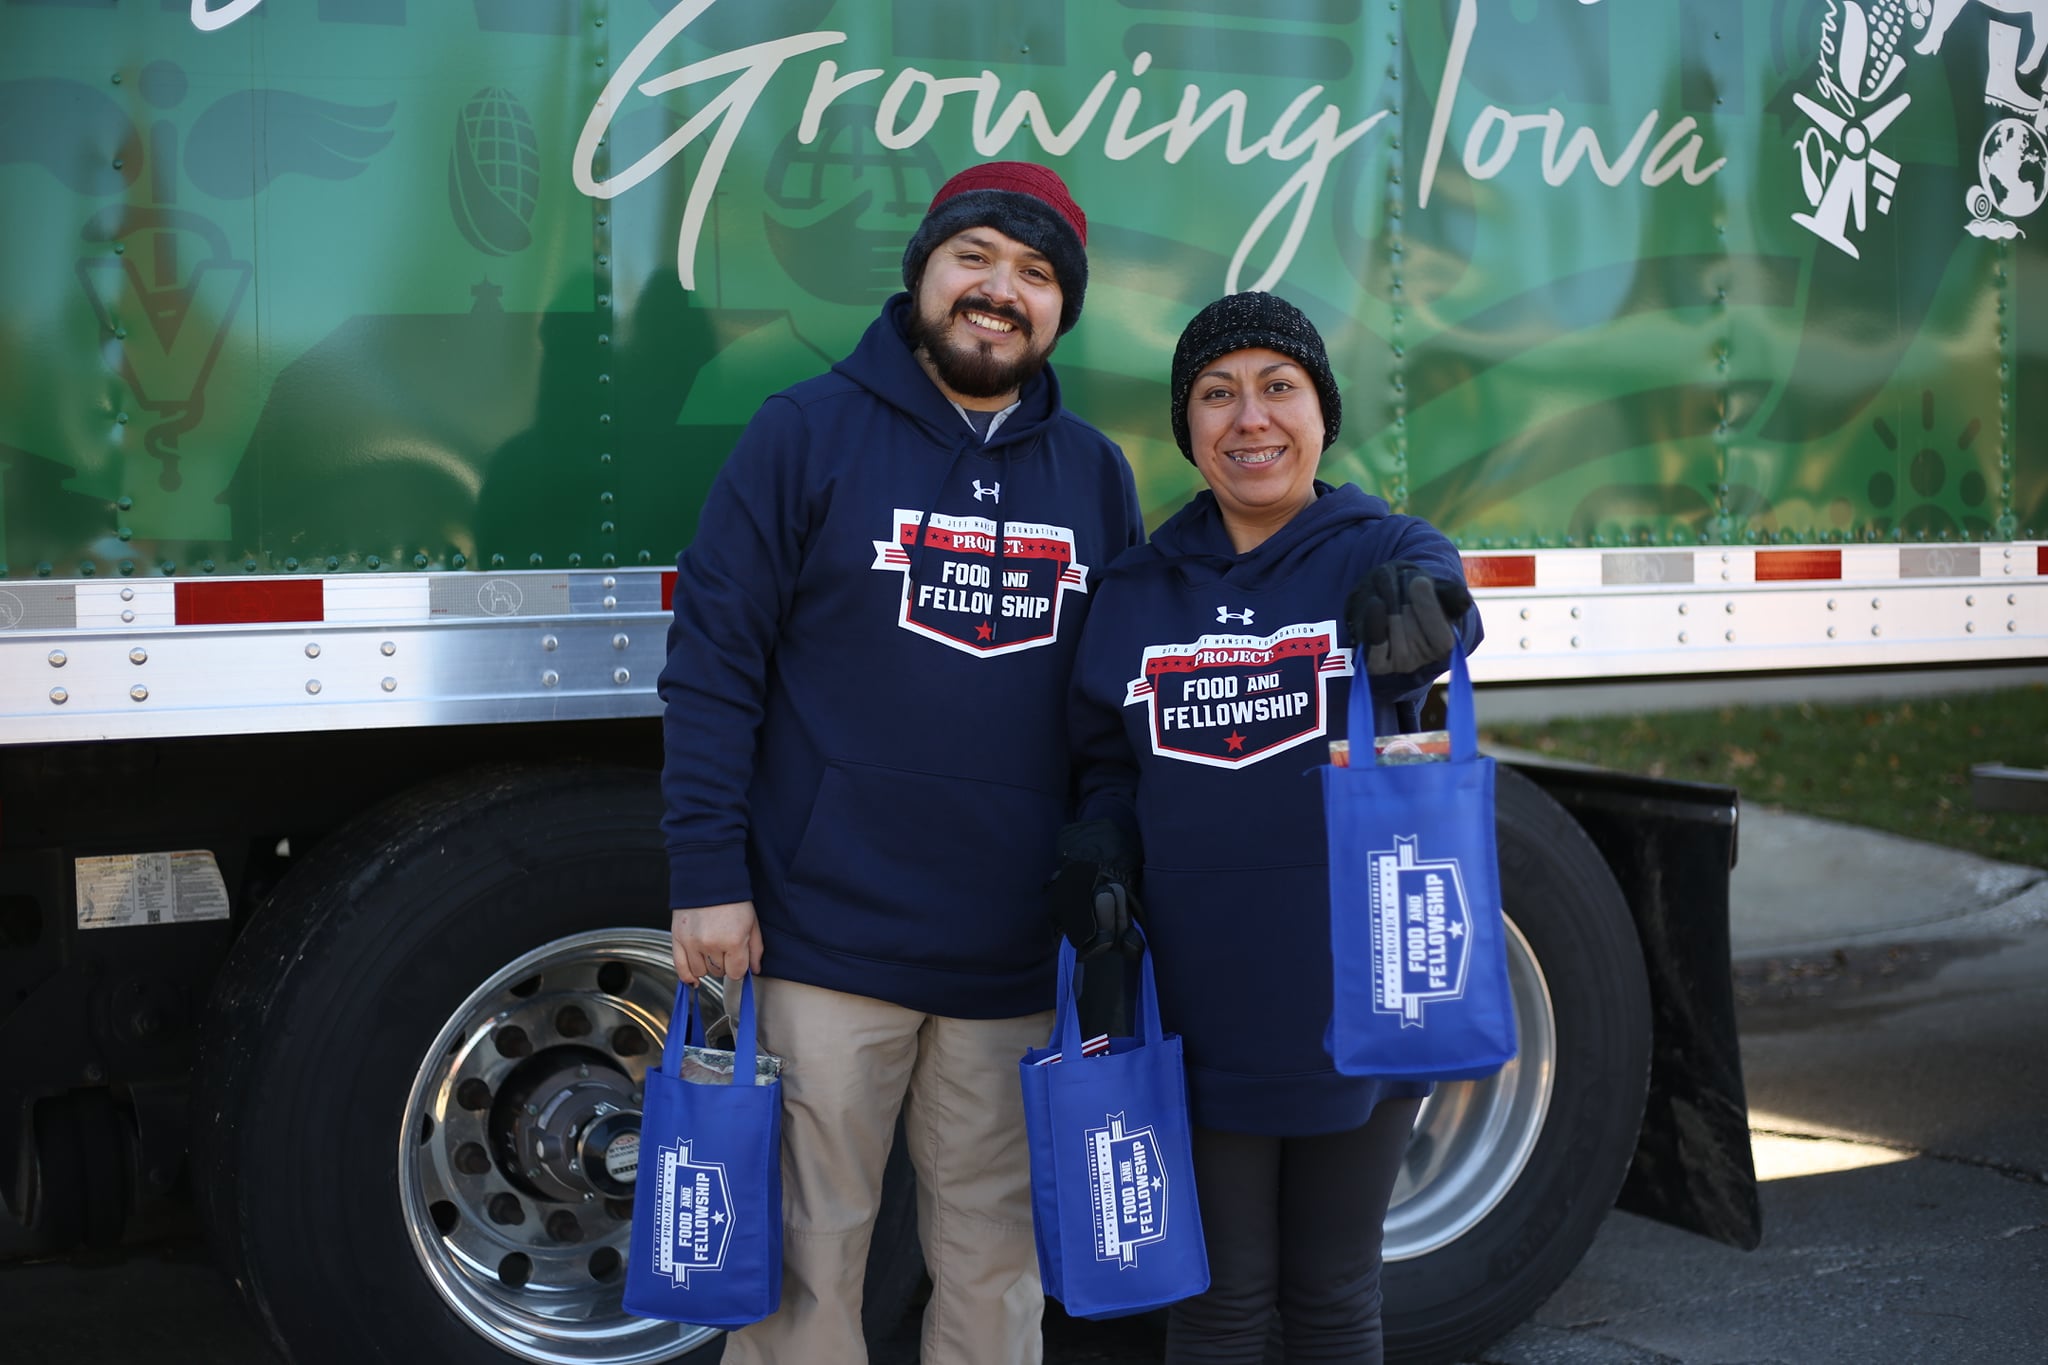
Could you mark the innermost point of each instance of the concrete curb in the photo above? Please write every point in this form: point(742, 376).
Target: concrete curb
point(1805, 885)
point(2023, 913)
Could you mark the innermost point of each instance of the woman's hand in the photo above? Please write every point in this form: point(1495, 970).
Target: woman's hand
point(1402, 618)
point(1090, 896)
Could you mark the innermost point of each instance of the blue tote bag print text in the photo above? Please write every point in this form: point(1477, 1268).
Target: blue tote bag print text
point(707, 1206)
point(1421, 989)
point(1112, 1165)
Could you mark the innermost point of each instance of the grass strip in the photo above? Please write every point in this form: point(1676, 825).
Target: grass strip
point(1900, 766)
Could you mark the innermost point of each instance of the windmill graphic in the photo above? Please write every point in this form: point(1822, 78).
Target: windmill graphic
point(1838, 179)
point(162, 277)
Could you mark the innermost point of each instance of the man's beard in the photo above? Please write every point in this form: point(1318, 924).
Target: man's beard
point(971, 369)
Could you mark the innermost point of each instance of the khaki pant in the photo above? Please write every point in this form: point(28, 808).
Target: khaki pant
point(849, 1062)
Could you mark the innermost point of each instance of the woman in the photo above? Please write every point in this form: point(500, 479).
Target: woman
point(1213, 671)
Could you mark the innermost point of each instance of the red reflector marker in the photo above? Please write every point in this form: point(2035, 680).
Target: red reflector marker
point(1500, 571)
point(1779, 566)
point(230, 603)
point(2041, 560)
point(668, 591)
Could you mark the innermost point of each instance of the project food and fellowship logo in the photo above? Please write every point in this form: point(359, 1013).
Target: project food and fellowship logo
point(979, 588)
point(693, 1215)
point(1421, 930)
point(1228, 700)
point(1856, 97)
point(1127, 1190)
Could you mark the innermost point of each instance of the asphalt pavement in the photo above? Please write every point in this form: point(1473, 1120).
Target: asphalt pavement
point(1893, 1003)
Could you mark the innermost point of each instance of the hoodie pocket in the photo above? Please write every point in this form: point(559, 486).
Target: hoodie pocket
point(926, 869)
point(1266, 931)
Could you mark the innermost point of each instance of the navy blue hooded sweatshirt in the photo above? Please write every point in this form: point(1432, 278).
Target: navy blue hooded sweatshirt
point(863, 723)
point(1208, 688)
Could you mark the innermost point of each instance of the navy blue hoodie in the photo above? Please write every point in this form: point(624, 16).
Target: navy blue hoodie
point(863, 724)
point(1208, 688)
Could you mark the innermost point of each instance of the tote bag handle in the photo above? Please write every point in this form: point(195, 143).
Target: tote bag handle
point(1066, 1024)
point(1463, 726)
point(746, 1043)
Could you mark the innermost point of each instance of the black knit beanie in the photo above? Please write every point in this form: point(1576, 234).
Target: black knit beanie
point(1022, 200)
point(1238, 322)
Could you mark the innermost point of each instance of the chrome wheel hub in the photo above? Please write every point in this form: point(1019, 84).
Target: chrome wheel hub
point(519, 1145)
point(1473, 1138)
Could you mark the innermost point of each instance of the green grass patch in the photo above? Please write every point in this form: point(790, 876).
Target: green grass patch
point(1901, 766)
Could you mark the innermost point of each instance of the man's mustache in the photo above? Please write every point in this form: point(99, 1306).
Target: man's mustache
point(1004, 311)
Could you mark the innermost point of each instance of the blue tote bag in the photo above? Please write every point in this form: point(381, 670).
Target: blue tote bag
point(1112, 1165)
point(1421, 988)
point(707, 1204)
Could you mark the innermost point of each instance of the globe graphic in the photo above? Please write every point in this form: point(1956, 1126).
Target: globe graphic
point(2013, 163)
point(844, 205)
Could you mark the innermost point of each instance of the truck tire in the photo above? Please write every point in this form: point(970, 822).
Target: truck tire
point(417, 1059)
point(1508, 1178)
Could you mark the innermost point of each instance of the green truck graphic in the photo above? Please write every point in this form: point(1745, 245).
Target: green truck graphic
point(364, 364)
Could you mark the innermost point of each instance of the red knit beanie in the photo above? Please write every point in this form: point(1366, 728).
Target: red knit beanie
point(1022, 200)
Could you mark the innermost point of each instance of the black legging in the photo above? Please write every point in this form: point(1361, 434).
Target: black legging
point(1292, 1224)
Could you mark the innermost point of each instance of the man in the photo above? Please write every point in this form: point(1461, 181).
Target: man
point(865, 763)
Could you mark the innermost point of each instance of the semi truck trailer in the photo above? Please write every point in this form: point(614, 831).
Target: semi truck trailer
point(364, 365)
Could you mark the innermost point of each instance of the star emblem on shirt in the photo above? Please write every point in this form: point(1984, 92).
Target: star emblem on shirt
point(718, 1217)
point(984, 631)
point(1456, 930)
point(1234, 742)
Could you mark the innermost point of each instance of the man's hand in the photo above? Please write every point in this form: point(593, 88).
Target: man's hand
point(715, 940)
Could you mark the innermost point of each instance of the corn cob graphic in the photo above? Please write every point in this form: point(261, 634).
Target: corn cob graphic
point(1868, 59)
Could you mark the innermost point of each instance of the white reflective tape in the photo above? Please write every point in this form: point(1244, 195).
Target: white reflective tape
point(1566, 569)
point(487, 595)
point(37, 606)
point(127, 604)
point(1940, 561)
point(1716, 568)
point(396, 598)
point(1644, 567)
point(1870, 563)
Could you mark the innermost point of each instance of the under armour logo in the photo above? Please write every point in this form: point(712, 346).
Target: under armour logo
point(1225, 615)
point(994, 490)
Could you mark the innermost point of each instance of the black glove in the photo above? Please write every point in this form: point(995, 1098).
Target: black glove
point(1090, 896)
point(1402, 618)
